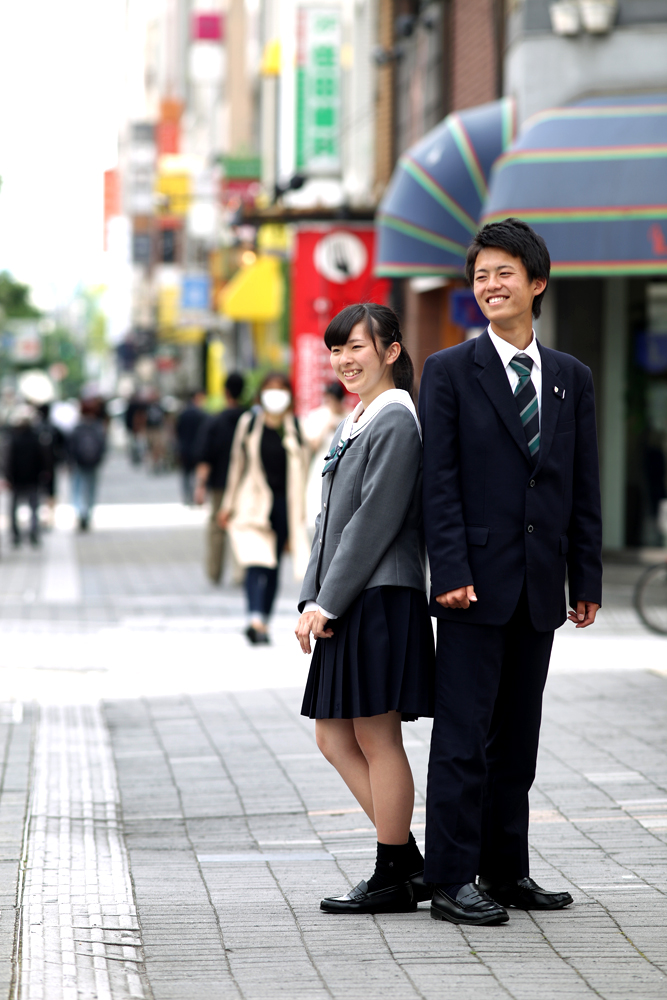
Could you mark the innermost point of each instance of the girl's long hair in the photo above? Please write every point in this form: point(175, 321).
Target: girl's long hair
point(384, 330)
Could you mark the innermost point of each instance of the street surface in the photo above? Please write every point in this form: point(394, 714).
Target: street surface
point(168, 827)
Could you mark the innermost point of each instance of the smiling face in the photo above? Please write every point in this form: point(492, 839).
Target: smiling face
point(503, 290)
point(359, 366)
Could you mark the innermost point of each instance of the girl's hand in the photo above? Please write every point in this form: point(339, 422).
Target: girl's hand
point(312, 621)
point(222, 518)
point(303, 630)
point(321, 626)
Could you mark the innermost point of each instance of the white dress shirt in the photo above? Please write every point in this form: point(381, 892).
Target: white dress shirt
point(508, 352)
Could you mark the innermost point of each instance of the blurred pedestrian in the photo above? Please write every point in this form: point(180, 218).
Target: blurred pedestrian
point(318, 426)
point(156, 436)
point(25, 469)
point(264, 503)
point(213, 449)
point(54, 446)
point(87, 446)
point(135, 422)
point(188, 425)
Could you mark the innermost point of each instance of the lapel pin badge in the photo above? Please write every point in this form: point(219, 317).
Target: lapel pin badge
point(559, 392)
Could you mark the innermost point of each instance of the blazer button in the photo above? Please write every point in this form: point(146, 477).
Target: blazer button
point(325, 505)
point(532, 482)
point(530, 528)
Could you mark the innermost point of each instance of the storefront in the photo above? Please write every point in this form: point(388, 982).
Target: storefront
point(592, 179)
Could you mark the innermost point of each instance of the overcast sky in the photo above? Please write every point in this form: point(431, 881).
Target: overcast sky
point(60, 88)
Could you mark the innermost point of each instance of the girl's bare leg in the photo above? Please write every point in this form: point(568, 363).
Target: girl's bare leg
point(369, 756)
point(392, 787)
point(338, 743)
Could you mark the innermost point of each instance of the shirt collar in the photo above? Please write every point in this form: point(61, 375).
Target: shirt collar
point(507, 351)
point(360, 418)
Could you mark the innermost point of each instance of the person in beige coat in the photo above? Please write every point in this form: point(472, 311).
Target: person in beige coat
point(263, 509)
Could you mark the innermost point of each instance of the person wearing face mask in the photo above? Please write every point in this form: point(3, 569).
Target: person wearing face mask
point(364, 600)
point(263, 508)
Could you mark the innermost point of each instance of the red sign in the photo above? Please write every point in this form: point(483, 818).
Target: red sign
point(332, 268)
point(111, 199)
point(207, 27)
point(168, 131)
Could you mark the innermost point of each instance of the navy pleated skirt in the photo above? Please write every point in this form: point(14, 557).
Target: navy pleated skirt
point(381, 658)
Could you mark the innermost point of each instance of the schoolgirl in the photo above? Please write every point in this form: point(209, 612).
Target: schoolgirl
point(364, 601)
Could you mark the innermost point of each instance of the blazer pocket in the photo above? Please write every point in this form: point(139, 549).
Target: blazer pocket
point(476, 534)
point(564, 544)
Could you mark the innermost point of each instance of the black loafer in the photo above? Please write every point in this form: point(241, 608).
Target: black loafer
point(525, 894)
point(422, 890)
point(395, 899)
point(471, 906)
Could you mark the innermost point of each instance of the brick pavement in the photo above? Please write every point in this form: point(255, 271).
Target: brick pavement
point(221, 825)
point(236, 826)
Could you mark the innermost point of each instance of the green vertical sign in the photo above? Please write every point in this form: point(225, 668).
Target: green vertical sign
point(318, 90)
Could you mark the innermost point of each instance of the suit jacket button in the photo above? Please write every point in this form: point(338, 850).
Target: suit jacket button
point(532, 482)
point(530, 528)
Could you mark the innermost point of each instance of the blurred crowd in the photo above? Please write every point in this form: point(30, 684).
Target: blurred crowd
point(37, 441)
point(255, 464)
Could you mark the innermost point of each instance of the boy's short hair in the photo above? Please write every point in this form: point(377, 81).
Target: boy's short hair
point(518, 240)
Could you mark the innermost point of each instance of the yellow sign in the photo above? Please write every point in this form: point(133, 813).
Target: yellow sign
point(168, 305)
point(255, 293)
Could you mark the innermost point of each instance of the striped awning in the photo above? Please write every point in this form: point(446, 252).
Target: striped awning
point(432, 206)
point(591, 178)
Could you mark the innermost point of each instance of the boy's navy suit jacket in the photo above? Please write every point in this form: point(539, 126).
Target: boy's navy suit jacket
point(493, 518)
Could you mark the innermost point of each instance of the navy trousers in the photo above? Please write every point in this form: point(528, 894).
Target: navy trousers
point(489, 685)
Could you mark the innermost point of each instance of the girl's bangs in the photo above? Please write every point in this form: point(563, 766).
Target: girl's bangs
point(339, 329)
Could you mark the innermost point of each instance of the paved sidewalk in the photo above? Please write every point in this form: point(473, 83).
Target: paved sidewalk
point(235, 827)
point(168, 827)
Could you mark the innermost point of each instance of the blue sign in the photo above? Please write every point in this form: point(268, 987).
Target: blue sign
point(196, 292)
point(651, 352)
point(464, 310)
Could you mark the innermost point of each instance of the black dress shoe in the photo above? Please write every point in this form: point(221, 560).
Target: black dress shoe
point(395, 899)
point(257, 636)
point(525, 894)
point(422, 890)
point(471, 906)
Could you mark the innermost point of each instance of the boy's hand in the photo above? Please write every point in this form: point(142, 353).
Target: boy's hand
point(584, 615)
point(462, 597)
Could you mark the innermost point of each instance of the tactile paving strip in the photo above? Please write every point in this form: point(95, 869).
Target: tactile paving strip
point(79, 936)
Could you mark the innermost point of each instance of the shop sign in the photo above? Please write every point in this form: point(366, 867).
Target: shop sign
point(196, 292)
point(141, 168)
point(208, 27)
point(332, 268)
point(318, 79)
point(26, 346)
point(463, 309)
point(651, 351)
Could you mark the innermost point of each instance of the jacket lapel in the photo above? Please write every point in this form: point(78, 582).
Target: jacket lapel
point(493, 380)
point(551, 403)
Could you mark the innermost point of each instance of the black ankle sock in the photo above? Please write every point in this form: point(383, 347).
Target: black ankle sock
point(451, 888)
point(392, 866)
point(416, 860)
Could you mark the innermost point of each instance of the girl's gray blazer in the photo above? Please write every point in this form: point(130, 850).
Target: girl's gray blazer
point(369, 529)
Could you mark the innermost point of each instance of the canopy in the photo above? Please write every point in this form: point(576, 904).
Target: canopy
point(255, 293)
point(591, 178)
point(431, 209)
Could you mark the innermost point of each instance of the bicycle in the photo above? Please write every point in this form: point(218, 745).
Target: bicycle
point(650, 598)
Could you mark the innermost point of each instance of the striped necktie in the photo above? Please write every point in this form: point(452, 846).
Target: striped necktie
point(526, 401)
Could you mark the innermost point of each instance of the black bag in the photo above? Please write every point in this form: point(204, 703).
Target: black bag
point(87, 445)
